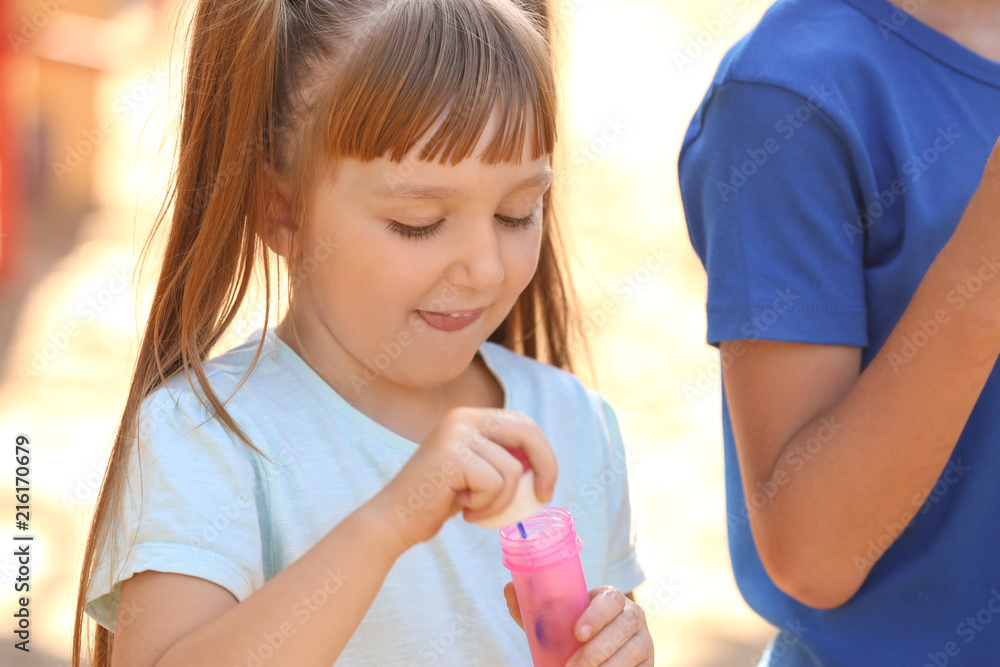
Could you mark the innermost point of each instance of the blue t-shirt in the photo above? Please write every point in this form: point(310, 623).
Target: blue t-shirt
point(831, 159)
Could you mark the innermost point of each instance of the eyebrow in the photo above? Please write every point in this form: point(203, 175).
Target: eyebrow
point(407, 191)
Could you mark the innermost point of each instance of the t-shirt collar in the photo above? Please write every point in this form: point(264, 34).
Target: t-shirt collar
point(895, 22)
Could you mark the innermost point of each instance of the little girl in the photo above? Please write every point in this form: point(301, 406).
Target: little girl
point(287, 502)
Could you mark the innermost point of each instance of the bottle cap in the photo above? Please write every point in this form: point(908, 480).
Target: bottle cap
point(521, 507)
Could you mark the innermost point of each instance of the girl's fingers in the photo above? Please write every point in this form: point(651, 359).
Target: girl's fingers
point(463, 464)
point(470, 448)
point(509, 469)
point(479, 480)
point(606, 604)
point(516, 429)
point(637, 652)
point(512, 605)
point(617, 637)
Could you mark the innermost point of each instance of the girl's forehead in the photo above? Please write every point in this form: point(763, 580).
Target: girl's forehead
point(414, 179)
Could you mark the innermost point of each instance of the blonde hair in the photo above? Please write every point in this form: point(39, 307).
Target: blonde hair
point(279, 86)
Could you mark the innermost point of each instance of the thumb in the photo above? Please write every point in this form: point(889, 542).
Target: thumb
point(512, 606)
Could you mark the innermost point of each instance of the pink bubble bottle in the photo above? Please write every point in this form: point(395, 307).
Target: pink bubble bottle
point(544, 562)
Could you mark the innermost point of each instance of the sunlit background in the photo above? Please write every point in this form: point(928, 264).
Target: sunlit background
point(86, 97)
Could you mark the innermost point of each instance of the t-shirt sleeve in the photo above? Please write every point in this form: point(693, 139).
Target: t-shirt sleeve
point(624, 571)
point(189, 502)
point(771, 196)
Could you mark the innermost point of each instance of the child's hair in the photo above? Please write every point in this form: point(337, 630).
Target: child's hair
point(280, 88)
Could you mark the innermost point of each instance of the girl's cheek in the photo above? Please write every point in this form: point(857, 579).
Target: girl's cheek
point(524, 258)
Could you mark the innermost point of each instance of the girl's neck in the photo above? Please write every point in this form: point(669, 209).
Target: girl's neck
point(407, 411)
point(975, 24)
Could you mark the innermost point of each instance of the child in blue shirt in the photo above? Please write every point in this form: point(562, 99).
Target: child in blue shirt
point(833, 181)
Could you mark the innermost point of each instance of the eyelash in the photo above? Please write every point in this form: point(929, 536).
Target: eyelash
point(427, 231)
point(411, 232)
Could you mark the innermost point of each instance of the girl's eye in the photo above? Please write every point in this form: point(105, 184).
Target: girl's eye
point(426, 231)
point(518, 223)
point(412, 232)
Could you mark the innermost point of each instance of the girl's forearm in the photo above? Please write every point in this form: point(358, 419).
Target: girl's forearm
point(847, 484)
point(306, 614)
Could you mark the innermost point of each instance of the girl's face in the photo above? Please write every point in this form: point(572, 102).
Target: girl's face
point(406, 268)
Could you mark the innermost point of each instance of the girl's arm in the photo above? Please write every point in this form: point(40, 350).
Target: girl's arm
point(834, 460)
point(197, 622)
point(170, 620)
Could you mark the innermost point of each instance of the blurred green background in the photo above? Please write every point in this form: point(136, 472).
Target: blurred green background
point(87, 98)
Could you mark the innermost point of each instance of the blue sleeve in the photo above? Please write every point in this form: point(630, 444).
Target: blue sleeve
point(771, 200)
point(188, 506)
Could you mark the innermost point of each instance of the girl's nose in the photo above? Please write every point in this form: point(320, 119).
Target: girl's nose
point(478, 263)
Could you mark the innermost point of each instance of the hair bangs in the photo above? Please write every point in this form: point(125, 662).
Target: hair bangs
point(433, 75)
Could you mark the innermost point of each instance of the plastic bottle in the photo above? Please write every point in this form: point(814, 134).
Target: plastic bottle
point(548, 579)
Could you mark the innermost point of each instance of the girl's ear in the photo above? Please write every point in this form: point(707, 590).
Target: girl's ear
point(279, 228)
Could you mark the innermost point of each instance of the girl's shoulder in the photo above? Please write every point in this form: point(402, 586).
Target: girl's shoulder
point(233, 376)
point(230, 369)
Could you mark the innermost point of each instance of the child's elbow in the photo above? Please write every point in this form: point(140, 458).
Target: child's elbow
point(812, 592)
point(808, 579)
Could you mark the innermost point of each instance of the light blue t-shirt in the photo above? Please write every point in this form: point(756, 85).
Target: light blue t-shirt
point(214, 509)
point(831, 159)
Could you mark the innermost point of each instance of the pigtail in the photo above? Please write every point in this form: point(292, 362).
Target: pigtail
point(217, 206)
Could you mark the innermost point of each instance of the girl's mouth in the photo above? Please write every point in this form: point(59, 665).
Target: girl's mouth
point(450, 321)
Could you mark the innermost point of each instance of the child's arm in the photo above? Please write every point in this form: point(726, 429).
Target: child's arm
point(196, 622)
point(834, 459)
point(171, 620)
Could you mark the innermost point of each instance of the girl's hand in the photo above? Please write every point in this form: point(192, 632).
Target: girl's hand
point(464, 464)
point(613, 629)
